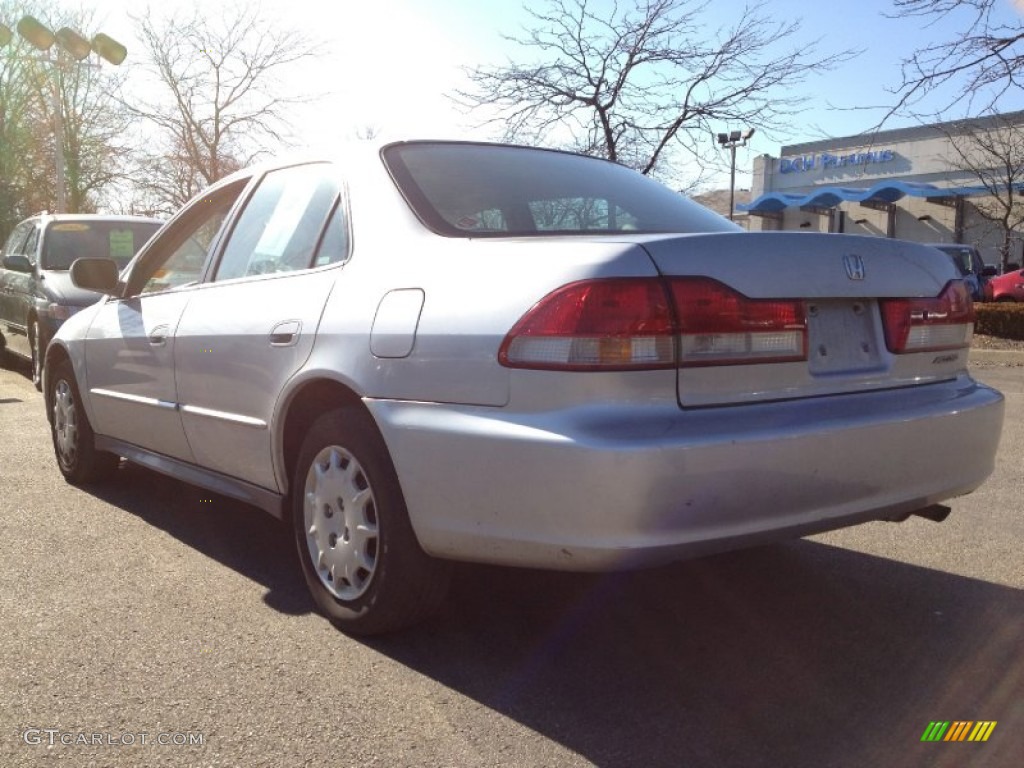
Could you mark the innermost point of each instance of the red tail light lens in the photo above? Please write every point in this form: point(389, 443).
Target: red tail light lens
point(594, 325)
point(930, 325)
point(719, 326)
point(633, 324)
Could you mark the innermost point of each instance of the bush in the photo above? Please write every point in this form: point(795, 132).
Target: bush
point(1000, 319)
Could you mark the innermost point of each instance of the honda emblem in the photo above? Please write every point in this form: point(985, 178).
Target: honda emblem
point(854, 266)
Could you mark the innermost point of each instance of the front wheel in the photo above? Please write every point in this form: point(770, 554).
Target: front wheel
point(73, 438)
point(359, 554)
point(37, 355)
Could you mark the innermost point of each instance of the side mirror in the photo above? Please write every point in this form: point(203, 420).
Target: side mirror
point(95, 274)
point(17, 262)
point(989, 271)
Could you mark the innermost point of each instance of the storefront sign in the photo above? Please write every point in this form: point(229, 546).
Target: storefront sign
point(826, 160)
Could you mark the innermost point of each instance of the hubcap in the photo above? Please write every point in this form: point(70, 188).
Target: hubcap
point(340, 517)
point(65, 423)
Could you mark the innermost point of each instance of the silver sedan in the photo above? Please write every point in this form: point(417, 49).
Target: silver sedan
point(423, 352)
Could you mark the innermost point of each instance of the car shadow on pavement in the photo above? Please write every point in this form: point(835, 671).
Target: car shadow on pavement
point(210, 523)
point(797, 654)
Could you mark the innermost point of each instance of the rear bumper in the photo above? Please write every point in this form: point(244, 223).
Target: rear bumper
point(611, 487)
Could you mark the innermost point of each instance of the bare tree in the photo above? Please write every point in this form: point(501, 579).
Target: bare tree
point(644, 78)
point(977, 67)
point(992, 151)
point(217, 103)
point(94, 125)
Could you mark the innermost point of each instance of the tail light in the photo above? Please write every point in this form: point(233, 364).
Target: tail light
point(719, 326)
point(930, 325)
point(648, 323)
point(596, 325)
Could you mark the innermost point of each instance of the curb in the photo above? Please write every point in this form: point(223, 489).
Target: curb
point(996, 356)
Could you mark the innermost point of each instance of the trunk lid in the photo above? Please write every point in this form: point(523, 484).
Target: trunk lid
point(841, 279)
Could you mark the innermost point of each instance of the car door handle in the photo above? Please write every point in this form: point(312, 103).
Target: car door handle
point(285, 333)
point(158, 336)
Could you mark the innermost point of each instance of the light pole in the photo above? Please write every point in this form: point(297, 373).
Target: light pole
point(732, 140)
point(69, 44)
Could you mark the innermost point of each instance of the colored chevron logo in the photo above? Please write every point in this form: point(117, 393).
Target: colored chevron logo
point(959, 730)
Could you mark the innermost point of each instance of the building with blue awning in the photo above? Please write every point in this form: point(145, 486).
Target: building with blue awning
point(906, 183)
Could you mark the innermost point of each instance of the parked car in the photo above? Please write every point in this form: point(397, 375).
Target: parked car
point(425, 351)
point(36, 294)
point(970, 265)
point(1008, 287)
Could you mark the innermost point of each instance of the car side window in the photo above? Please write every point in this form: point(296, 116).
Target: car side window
point(334, 244)
point(16, 239)
point(31, 244)
point(281, 224)
point(178, 258)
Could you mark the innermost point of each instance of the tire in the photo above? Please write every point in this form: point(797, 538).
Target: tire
point(74, 443)
point(37, 354)
point(358, 552)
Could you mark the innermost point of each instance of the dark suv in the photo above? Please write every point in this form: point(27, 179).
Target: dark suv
point(36, 294)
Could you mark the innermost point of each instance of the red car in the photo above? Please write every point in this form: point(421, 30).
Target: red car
point(1008, 287)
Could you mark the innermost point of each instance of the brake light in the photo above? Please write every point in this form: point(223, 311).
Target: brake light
point(615, 324)
point(649, 323)
point(720, 326)
point(930, 325)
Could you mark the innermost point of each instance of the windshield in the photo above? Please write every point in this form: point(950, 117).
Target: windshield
point(481, 190)
point(65, 241)
point(961, 257)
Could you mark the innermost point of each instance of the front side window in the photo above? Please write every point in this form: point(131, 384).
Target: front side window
point(179, 256)
point(17, 238)
point(281, 225)
point(485, 190)
point(31, 245)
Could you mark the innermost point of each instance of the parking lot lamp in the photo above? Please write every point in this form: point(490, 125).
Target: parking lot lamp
point(71, 49)
point(730, 141)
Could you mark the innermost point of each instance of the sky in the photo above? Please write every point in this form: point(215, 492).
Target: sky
point(390, 63)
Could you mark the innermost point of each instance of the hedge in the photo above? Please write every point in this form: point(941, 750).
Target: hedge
point(1002, 319)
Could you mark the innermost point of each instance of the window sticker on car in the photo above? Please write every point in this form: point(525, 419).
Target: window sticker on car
point(122, 244)
point(70, 226)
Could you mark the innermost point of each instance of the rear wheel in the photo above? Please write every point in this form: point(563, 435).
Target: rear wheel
point(359, 554)
point(73, 438)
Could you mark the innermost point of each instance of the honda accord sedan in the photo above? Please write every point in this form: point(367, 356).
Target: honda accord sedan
point(424, 352)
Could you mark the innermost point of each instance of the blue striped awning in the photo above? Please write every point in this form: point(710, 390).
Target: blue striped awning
point(883, 192)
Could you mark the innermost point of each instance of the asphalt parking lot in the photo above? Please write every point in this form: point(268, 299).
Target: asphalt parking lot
point(173, 627)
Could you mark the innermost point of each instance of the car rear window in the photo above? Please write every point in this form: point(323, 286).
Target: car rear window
point(65, 241)
point(486, 190)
